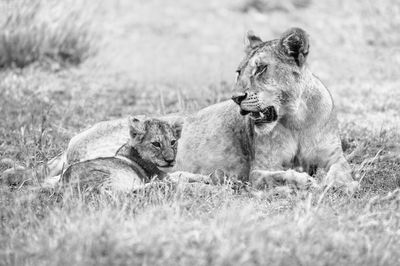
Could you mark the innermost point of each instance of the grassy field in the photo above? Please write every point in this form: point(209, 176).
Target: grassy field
point(66, 65)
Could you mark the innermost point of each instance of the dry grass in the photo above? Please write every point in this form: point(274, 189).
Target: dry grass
point(43, 31)
point(182, 57)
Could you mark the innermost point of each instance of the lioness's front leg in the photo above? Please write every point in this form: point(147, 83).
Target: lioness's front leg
point(329, 153)
point(187, 177)
point(218, 176)
point(273, 155)
point(264, 178)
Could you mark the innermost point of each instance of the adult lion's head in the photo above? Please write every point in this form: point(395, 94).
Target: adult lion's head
point(270, 77)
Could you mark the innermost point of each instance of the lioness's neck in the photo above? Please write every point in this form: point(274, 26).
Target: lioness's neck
point(309, 105)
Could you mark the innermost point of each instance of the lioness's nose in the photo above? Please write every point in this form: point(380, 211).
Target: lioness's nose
point(238, 97)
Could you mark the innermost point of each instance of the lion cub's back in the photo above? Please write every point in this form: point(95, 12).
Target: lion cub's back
point(101, 140)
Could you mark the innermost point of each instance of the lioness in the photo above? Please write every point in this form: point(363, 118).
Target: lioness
point(281, 120)
point(284, 119)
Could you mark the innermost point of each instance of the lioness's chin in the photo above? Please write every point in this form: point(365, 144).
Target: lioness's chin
point(264, 128)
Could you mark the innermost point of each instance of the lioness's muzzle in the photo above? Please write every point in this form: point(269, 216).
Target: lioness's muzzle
point(239, 97)
point(249, 104)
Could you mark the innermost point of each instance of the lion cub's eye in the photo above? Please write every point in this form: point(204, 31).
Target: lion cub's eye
point(261, 69)
point(156, 144)
point(173, 142)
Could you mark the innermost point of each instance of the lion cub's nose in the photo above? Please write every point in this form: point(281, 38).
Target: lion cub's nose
point(238, 97)
point(169, 160)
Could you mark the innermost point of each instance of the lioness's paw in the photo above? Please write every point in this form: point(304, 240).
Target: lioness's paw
point(341, 181)
point(300, 180)
point(352, 187)
point(349, 188)
point(186, 177)
point(218, 177)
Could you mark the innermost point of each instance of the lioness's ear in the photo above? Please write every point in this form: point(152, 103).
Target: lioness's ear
point(253, 40)
point(294, 44)
point(136, 126)
point(178, 126)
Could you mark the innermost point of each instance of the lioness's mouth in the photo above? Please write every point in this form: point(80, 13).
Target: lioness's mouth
point(268, 115)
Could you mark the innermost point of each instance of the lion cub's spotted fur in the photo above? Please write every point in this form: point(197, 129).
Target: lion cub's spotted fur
point(152, 145)
point(142, 151)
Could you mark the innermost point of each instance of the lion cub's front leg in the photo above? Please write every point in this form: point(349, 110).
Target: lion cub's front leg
point(264, 178)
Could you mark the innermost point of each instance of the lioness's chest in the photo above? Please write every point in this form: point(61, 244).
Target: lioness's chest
point(283, 149)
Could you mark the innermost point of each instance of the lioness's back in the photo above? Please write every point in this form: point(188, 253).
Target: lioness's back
point(103, 173)
point(101, 140)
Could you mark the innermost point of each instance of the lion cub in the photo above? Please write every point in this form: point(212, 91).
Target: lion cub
point(151, 148)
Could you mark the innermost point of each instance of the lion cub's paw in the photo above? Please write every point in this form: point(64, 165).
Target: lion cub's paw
point(16, 177)
point(51, 182)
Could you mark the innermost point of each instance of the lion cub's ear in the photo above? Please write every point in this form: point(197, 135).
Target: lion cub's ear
point(178, 126)
point(137, 127)
point(253, 40)
point(294, 44)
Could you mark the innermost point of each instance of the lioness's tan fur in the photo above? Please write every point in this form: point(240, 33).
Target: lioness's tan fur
point(303, 131)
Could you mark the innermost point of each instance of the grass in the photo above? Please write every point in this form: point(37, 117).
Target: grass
point(43, 31)
point(158, 60)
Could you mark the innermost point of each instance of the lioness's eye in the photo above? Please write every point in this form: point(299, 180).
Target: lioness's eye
point(173, 142)
point(156, 144)
point(260, 69)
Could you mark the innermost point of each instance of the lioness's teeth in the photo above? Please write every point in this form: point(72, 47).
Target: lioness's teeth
point(262, 115)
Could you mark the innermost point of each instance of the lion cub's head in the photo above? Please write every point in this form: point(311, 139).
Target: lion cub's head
point(270, 77)
point(155, 140)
